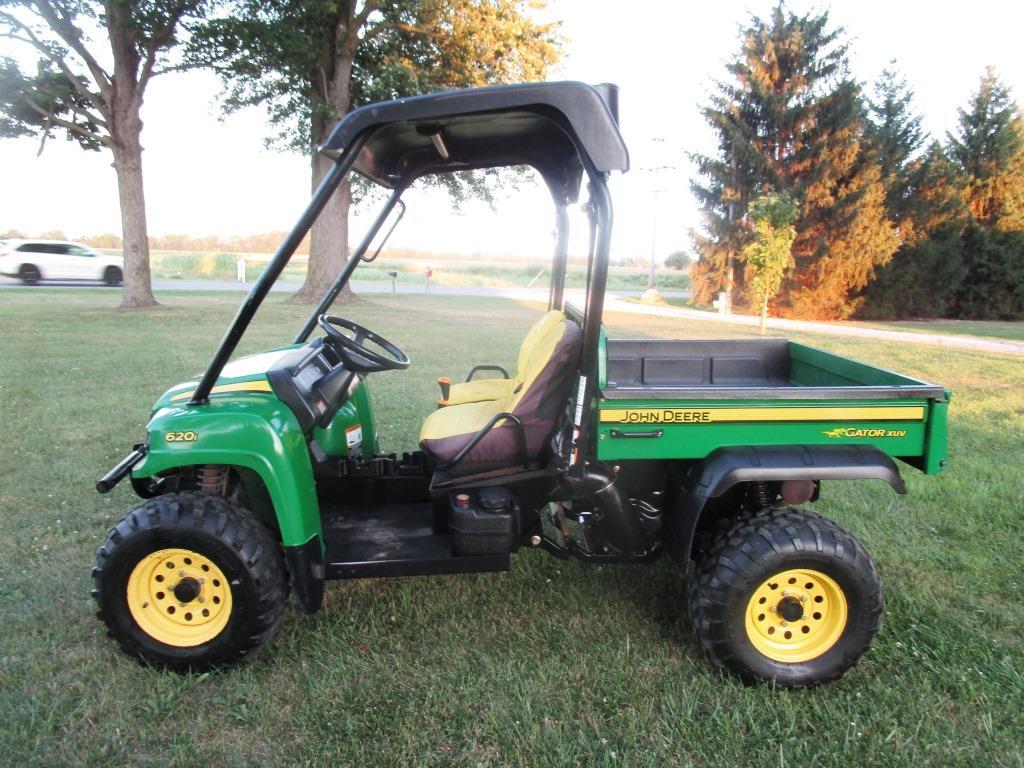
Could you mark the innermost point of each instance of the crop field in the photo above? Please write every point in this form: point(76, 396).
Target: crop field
point(555, 663)
point(183, 265)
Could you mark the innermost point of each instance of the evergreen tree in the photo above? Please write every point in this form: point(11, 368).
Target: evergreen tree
point(924, 276)
point(993, 284)
point(894, 133)
point(790, 121)
point(923, 199)
point(989, 148)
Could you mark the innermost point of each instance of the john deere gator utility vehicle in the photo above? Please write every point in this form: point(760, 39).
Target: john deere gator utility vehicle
point(264, 476)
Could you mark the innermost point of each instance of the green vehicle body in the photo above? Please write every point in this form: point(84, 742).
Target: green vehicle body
point(911, 429)
point(607, 450)
point(245, 426)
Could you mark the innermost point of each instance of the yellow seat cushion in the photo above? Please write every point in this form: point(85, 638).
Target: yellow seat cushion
point(481, 389)
point(493, 389)
point(462, 419)
point(546, 375)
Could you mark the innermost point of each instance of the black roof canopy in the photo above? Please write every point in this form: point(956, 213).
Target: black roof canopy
point(543, 125)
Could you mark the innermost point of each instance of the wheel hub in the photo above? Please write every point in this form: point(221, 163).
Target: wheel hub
point(179, 597)
point(187, 589)
point(790, 609)
point(796, 615)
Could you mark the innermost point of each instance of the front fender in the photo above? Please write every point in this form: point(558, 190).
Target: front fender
point(253, 431)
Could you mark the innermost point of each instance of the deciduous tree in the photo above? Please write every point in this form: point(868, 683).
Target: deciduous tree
point(310, 62)
point(770, 254)
point(91, 90)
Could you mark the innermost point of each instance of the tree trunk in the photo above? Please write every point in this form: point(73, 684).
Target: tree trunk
point(138, 289)
point(328, 242)
point(328, 245)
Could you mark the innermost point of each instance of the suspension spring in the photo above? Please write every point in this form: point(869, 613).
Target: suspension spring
point(213, 478)
point(760, 497)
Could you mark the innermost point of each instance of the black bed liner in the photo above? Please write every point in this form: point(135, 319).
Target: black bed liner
point(744, 369)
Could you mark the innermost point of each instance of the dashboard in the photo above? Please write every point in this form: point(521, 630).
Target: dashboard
point(312, 381)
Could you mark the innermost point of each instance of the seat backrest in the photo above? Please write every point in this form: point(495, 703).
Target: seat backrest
point(546, 379)
point(534, 337)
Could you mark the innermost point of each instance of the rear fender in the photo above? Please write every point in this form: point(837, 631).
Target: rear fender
point(254, 433)
point(727, 467)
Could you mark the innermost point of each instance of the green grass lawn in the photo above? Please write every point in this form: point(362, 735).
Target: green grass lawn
point(555, 663)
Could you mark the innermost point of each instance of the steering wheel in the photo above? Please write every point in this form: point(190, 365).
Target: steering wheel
point(356, 356)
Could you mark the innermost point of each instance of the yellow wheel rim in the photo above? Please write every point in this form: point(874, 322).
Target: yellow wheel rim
point(179, 597)
point(796, 615)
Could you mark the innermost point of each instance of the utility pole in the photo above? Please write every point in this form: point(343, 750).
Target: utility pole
point(654, 213)
point(654, 237)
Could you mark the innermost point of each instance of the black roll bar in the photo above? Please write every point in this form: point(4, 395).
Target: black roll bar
point(353, 262)
point(601, 212)
point(282, 256)
point(561, 256)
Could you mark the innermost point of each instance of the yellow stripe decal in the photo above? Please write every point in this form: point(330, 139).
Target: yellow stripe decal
point(722, 415)
point(261, 385)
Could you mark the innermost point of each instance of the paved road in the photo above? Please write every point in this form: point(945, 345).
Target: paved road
point(357, 285)
point(613, 303)
point(836, 329)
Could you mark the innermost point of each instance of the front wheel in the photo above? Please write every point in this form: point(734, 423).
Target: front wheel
point(113, 276)
point(786, 596)
point(189, 581)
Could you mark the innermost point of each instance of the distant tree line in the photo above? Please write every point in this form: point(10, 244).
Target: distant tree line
point(888, 223)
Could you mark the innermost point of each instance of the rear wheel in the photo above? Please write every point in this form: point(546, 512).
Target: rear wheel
point(189, 581)
point(112, 276)
point(786, 596)
point(29, 274)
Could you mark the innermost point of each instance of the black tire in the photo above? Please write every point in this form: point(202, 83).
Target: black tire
point(231, 539)
point(746, 558)
point(113, 276)
point(29, 274)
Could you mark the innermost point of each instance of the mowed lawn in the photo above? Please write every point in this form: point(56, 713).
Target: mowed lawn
point(554, 663)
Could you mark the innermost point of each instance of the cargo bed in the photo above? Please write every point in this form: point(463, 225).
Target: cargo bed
point(685, 399)
point(748, 368)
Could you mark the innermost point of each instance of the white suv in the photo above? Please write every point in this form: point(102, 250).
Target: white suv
point(35, 260)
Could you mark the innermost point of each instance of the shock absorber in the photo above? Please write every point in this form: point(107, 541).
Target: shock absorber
point(213, 478)
point(760, 497)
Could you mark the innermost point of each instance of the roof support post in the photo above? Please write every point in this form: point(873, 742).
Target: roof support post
point(281, 257)
point(561, 256)
point(351, 264)
point(601, 207)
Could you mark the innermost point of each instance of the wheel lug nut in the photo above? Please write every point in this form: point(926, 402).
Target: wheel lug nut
point(784, 622)
point(202, 599)
point(181, 573)
point(803, 598)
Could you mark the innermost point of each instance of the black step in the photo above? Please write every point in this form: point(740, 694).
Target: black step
point(394, 539)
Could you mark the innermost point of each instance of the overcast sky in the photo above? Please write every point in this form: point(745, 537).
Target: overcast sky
point(207, 175)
